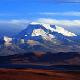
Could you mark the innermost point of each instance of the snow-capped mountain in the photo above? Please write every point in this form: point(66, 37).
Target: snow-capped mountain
point(45, 31)
point(41, 37)
point(41, 43)
point(51, 37)
point(54, 28)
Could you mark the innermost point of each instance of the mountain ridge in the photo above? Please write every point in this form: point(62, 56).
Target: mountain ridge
point(39, 37)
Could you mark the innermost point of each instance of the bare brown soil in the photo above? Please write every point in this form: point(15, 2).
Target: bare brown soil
point(35, 74)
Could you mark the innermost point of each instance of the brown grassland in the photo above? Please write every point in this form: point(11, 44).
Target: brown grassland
point(37, 74)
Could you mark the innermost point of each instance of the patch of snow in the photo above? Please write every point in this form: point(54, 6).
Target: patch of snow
point(64, 32)
point(38, 32)
point(25, 35)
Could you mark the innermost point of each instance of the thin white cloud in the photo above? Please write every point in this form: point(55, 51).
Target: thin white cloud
point(14, 21)
point(16, 24)
point(19, 21)
point(23, 22)
point(72, 13)
point(60, 22)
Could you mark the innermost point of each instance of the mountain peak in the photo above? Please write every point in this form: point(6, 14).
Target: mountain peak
point(64, 32)
point(46, 32)
point(55, 28)
point(34, 23)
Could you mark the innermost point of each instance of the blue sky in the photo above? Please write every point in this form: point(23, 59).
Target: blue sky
point(18, 13)
point(32, 9)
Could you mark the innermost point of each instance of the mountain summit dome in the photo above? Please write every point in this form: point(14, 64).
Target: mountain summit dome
point(54, 28)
